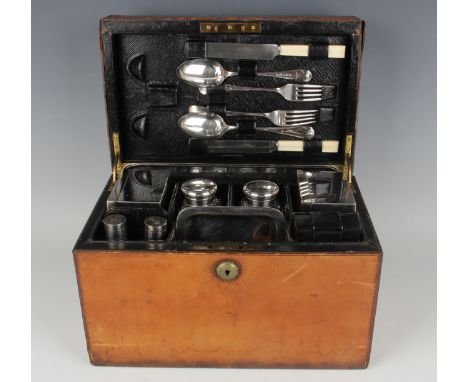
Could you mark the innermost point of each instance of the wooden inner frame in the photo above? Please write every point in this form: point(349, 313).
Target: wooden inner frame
point(284, 310)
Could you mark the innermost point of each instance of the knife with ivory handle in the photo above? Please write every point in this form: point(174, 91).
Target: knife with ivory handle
point(224, 146)
point(262, 51)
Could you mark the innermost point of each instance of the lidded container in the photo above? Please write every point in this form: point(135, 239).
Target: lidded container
point(199, 192)
point(260, 193)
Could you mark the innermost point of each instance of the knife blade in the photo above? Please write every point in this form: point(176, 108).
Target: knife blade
point(270, 51)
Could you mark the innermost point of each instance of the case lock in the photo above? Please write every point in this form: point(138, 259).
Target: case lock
point(227, 270)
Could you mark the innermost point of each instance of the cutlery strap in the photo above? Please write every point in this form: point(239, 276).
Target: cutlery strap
point(247, 69)
point(195, 48)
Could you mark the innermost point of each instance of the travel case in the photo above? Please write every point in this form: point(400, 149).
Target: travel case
point(226, 239)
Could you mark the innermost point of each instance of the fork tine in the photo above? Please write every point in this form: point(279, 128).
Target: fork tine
point(308, 99)
point(309, 115)
point(301, 116)
point(309, 90)
point(303, 122)
point(309, 86)
point(290, 117)
point(311, 120)
point(299, 94)
point(305, 115)
point(301, 112)
point(301, 119)
point(310, 94)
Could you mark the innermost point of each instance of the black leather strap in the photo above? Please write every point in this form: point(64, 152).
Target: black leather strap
point(327, 114)
point(197, 146)
point(162, 95)
point(246, 126)
point(329, 92)
point(195, 48)
point(318, 51)
point(217, 96)
point(313, 146)
point(247, 69)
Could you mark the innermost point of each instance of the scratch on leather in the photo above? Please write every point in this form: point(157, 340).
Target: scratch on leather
point(294, 273)
point(368, 285)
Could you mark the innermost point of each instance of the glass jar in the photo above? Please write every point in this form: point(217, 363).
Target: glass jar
point(199, 192)
point(261, 193)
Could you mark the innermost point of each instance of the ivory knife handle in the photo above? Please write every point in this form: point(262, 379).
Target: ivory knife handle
point(334, 51)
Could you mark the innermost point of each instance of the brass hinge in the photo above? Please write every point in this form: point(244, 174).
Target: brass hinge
point(347, 167)
point(118, 167)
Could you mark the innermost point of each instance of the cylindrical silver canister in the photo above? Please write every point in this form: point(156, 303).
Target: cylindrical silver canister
point(260, 193)
point(199, 192)
point(155, 228)
point(115, 227)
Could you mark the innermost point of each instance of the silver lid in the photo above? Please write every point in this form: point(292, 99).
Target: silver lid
point(114, 220)
point(199, 189)
point(115, 227)
point(261, 191)
point(156, 222)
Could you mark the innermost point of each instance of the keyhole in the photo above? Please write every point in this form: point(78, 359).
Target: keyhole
point(227, 270)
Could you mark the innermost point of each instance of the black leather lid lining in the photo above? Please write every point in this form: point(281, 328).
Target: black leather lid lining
point(145, 98)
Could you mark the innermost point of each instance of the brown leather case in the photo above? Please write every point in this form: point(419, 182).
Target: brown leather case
point(309, 304)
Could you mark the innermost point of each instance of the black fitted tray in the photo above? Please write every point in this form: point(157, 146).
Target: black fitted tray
point(156, 190)
point(93, 237)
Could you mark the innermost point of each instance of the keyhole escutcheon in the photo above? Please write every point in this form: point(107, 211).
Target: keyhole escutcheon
point(227, 270)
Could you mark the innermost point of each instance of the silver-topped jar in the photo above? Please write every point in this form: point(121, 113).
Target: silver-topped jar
point(260, 193)
point(155, 228)
point(115, 227)
point(199, 192)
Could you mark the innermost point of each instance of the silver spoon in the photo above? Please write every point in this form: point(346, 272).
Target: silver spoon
point(205, 125)
point(206, 73)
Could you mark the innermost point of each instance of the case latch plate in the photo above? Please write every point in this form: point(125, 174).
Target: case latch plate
point(230, 27)
point(118, 166)
point(347, 166)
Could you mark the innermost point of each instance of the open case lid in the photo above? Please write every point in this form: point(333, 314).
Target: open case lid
point(145, 98)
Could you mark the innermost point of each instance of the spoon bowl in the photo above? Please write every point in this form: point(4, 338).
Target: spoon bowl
point(204, 73)
point(204, 125)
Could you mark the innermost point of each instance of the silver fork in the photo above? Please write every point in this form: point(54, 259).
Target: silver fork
point(282, 117)
point(290, 92)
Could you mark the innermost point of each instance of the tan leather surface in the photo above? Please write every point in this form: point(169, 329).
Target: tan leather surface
point(287, 310)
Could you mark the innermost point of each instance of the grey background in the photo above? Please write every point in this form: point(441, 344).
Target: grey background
point(395, 167)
